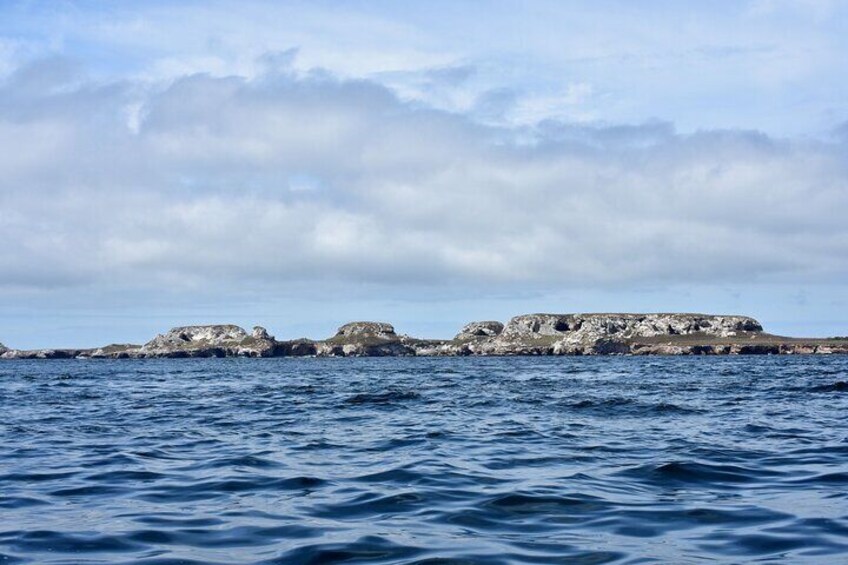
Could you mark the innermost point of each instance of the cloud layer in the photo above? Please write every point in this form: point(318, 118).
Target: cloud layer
point(283, 177)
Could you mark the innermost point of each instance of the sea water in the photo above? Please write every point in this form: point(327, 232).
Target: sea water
point(425, 460)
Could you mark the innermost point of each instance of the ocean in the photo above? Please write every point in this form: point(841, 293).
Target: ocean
point(425, 460)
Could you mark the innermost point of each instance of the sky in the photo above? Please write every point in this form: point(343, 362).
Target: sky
point(302, 164)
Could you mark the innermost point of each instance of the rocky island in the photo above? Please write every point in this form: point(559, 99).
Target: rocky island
point(530, 334)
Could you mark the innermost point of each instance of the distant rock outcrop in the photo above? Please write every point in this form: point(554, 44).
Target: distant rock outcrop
point(530, 334)
point(183, 336)
point(115, 351)
point(588, 329)
point(224, 340)
point(356, 330)
point(361, 339)
point(600, 334)
point(40, 354)
point(596, 326)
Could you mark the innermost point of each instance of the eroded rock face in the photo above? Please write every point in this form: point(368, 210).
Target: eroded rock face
point(114, 351)
point(41, 354)
point(605, 334)
point(436, 348)
point(476, 330)
point(260, 333)
point(603, 346)
point(366, 329)
point(755, 349)
point(829, 349)
point(208, 335)
point(539, 325)
point(364, 339)
point(363, 349)
point(296, 348)
point(224, 340)
point(596, 326)
point(3, 349)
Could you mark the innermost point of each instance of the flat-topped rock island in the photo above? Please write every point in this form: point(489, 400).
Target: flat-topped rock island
point(530, 334)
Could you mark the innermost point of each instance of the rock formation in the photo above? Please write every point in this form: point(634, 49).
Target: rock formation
point(41, 354)
point(363, 330)
point(260, 333)
point(208, 341)
point(476, 330)
point(184, 336)
point(596, 326)
point(361, 339)
point(531, 334)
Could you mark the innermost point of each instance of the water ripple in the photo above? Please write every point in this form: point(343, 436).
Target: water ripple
point(426, 461)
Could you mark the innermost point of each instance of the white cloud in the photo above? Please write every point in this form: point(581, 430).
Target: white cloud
point(203, 188)
point(815, 9)
point(773, 65)
point(572, 104)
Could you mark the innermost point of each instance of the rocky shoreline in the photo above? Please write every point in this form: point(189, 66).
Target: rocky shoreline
point(530, 334)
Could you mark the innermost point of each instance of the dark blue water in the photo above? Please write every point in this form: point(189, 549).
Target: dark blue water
point(519, 460)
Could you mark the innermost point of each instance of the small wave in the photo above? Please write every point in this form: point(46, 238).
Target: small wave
point(385, 397)
point(71, 543)
point(241, 461)
point(838, 386)
point(399, 475)
point(371, 504)
point(35, 477)
point(367, 549)
point(90, 491)
point(524, 503)
point(176, 520)
point(414, 475)
point(124, 475)
point(630, 407)
point(761, 545)
point(21, 502)
point(202, 490)
point(691, 472)
point(836, 478)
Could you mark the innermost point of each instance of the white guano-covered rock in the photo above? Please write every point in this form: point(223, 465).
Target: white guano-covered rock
point(206, 335)
point(260, 333)
point(627, 325)
point(592, 334)
point(367, 329)
point(223, 340)
point(476, 330)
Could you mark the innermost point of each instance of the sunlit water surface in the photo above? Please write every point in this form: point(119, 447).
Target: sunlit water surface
point(486, 460)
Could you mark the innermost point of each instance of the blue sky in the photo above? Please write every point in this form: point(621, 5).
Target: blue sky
point(301, 164)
